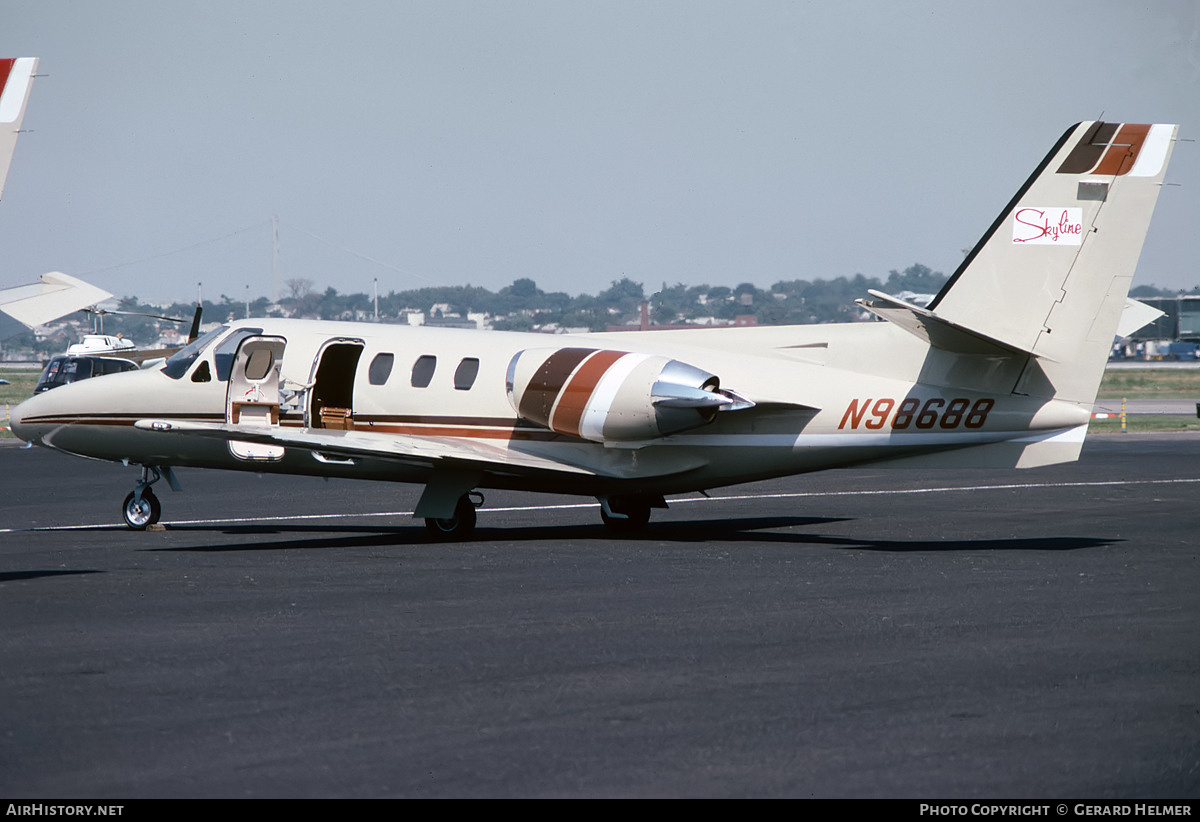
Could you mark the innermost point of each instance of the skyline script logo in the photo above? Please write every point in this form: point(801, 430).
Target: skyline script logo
point(1033, 225)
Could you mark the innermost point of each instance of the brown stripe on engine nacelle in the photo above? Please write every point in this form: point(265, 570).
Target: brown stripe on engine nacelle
point(539, 396)
point(575, 396)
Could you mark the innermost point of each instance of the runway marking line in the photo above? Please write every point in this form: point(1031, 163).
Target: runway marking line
point(676, 500)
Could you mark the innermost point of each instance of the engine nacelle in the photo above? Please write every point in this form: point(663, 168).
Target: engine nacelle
point(613, 396)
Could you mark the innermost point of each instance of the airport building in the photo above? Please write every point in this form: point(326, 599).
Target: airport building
point(1174, 336)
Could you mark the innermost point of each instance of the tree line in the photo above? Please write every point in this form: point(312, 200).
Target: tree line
point(522, 305)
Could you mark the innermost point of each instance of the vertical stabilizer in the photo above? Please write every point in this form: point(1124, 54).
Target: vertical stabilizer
point(16, 79)
point(1051, 275)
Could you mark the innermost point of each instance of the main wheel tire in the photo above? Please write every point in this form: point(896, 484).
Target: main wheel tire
point(637, 514)
point(458, 526)
point(140, 514)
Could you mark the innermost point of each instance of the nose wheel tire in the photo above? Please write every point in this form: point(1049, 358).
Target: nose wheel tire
point(140, 514)
point(458, 526)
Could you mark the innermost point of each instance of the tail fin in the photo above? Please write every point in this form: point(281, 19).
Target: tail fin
point(16, 79)
point(1051, 275)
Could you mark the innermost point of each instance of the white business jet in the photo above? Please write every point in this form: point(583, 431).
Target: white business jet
point(999, 370)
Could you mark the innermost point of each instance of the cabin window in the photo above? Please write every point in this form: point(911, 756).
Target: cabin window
point(259, 364)
point(381, 369)
point(422, 373)
point(464, 375)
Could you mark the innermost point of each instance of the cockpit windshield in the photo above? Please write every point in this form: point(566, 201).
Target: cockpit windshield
point(179, 362)
point(223, 356)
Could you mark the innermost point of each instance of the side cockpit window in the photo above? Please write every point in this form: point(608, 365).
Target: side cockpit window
point(202, 374)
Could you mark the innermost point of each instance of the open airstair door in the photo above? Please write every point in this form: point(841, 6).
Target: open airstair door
point(253, 398)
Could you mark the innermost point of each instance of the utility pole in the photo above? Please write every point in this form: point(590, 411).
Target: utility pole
point(275, 255)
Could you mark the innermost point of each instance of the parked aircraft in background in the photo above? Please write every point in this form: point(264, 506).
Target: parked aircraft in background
point(106, 345)
point(99, 354)
point(999, 370)
point(55, 294)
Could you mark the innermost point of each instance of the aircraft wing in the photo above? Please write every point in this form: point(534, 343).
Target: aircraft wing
point(54, 295)
point(446, 452)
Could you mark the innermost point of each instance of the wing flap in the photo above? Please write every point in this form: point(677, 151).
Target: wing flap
point(419, 451)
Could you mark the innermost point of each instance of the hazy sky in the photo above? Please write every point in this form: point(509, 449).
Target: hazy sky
point(423, 143)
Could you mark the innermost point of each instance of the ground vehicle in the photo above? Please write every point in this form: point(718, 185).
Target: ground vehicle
point(68, 368)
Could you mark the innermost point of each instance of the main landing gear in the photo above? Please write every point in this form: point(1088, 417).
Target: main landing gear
point(459, 526)
point(142, 508)
point(627, 514)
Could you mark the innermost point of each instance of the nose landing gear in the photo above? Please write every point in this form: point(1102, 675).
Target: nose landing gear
point(141, 508)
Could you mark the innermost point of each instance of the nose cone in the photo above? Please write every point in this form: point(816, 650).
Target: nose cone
point(16, 420)
point(22, 418)
point(75, 417)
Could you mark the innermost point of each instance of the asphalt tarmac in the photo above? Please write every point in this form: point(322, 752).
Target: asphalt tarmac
point(865, 633)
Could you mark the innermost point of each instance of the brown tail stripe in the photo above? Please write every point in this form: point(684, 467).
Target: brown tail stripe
point(1106, 148)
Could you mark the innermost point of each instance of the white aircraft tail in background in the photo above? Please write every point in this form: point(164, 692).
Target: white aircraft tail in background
point(16, 80)
point(55, 294)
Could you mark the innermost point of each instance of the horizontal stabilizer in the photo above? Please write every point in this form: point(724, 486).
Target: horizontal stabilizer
point(1136, 315)
point(935, 330)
